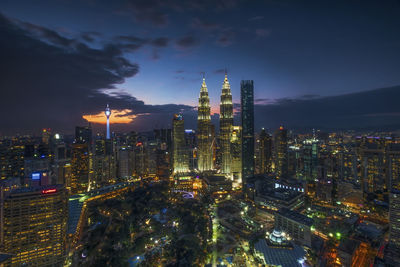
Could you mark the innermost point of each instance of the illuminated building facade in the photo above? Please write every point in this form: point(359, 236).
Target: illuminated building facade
point(265, 152)
point(83, 134)
point(125, 162)
point(180, 156)
point(297, 225)
point(281, 152)
point(140, 168)
point(393, 166)
point(247, 113)
point(191, 141)
point(310, 159)
point(104, 163)
point(372, 169)
point(34, 224)
point(236, 156)
point(348, 166)
point(80, 161)
point(11, 159)
point(226, 123)
point(393, 249)
point(205, 142)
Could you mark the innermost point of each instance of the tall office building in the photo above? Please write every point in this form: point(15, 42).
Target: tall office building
point(80, 168)
point(392, 253)
point(392, 159)
point(34, 225)
point(205, 148)
point(393, 169)
point(310, 157)
point(265, 153)
point(141, 162)
point(191, 141)
point(247, 113)
point(180, 156)
point(125, 162)
point(46, 135)
point(236, 156)
point(104, 163)
point(281, 153)
point(372, 169)
point(226, 123)
point(83, 134)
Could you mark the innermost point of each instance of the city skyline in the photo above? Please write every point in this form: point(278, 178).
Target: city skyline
point(148, 67)
point(200, 133)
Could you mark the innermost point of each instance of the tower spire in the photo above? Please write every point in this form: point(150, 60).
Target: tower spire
point(108, 113)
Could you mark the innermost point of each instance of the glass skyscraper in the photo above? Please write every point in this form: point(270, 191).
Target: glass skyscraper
point(247, 113)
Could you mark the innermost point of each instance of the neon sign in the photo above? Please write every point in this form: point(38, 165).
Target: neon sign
point(49, 191)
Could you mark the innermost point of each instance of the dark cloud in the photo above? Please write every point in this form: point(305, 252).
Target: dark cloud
point(256, 18)
point(155, 55)
point(45, 33)
point(160, 42)
point(188, 41)
point(220, 71)
point(263, 33)
point(51, 81)
point(180, 71)
point(263, 101)
point(90, 36)
point(204, 25)
point(132, 43)
point(226, 38)
point(157, 12)
point(369, 109)
point(149, 11)
point(309, 96)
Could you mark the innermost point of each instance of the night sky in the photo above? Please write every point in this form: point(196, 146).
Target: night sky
point(322, 64)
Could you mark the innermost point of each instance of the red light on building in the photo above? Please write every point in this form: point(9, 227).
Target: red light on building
point(49, 191)
point(139, 144)
point(281, 128)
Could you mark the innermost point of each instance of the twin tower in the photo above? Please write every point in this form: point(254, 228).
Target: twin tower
point(205, 136)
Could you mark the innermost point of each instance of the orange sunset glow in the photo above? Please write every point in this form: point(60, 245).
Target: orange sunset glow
point(117, 116)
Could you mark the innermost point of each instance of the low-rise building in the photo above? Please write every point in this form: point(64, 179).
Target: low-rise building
point(297, 225)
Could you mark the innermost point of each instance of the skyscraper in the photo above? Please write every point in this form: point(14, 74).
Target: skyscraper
point(83, 134)
point(226, 123)
point(180, 156)
point(310, 157)
point(393, 249)
point(247, 113)
point(34, 225)
point(372, 169)
point(265, 152)
point(204, 130)
point(80, 168)
point(393, 169)
point(236, 156)
point(281, 152)
point(108, 113)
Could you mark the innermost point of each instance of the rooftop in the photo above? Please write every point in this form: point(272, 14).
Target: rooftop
point(295, 216)
point(349, 245)
point(281, 256)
